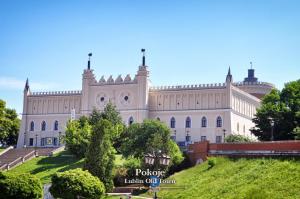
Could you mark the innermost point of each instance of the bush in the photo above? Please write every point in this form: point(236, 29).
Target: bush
point(23, 186)
point(211, 162)
point(127, 171)
point(76, 183)
point(237, 138)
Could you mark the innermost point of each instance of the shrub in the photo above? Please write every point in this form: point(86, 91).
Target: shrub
point(238, 138)
point(76, 183)
point(23, 186)
point(211, 162)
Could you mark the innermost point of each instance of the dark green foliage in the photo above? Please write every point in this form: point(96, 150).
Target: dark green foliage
point(148, 137)
point(76, 183)
point(77, 137)
point(211, 162)
point(9, 125)
point(237, 138)
point(126, 171)
point(284, 108)
point(23, 186)
point(101, 154)
point(185, 164)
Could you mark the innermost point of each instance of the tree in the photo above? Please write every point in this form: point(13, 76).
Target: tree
point(25, 186)
point(112, 115)
point(284, 109)
point(237, 138)
point(76, 183)
point(77, 136)
point(100, 155)
point(9, 125)
point(149, 137)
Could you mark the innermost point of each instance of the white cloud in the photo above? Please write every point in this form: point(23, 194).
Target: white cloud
point(9, 83)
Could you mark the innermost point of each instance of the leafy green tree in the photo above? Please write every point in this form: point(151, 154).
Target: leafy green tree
point(25, 186)
point(76, 183)
point(151, 136)
point(237, 138)
point(111, 114)
point(77, 138)
point(9, 125)
point(284, 109)
point(100, 155)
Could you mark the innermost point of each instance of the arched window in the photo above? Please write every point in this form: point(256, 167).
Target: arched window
point(188, 122)
point(172, 123)
point(219, 121)
point(56, 125)
point(43, 126)
point(31, 126)
point(130, 121)
point(203, 122)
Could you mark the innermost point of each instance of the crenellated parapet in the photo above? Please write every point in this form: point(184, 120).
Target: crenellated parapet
point(189, 87)
point(77, 92)
point(254, 83)
point(111, 81)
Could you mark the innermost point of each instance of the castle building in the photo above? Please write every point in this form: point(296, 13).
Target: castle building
point(193, 112)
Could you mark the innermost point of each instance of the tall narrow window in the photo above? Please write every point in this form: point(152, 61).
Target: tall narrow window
point(219, 121)
point(130, 121)
point(173, 123)
point(31, 126)
point(203, 122)
point(56, 125)
point(188, 122)
point(43, 126)
point(238, 127)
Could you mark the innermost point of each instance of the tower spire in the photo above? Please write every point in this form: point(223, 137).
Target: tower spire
point(229, 76)
point(26, 85)
point(89, 61)
point(144, 60)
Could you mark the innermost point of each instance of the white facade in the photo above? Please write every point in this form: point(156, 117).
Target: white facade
point(197, 111)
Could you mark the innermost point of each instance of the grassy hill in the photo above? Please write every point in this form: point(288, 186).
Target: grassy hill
point(45, 167)
point(240, 178)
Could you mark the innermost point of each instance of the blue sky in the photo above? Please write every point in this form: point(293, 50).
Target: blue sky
point(187, 42)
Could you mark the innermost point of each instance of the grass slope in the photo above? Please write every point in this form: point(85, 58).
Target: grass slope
point(240, 178)
point(45, 167)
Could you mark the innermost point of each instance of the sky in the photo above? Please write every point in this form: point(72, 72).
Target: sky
point(186, 42)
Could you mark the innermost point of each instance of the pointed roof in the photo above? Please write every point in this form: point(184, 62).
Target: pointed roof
point(26, 84)
point(229, 76)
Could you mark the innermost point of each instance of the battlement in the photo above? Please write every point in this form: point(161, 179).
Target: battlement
point(254, 84)
point(189, 87)
point(55, 93)
point(119, 80)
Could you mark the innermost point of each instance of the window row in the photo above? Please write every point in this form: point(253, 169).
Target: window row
point(188, 122)
point(43, 126)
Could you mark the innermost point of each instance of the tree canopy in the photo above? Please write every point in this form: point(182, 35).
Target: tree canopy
point(284, 109)
point(9, 125)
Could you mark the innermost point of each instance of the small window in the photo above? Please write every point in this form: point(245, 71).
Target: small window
point(30, 141)
point(204, 122)
point(158, 118)
point(203, 138)
point(219, 121)
point(31, 126)
point(56, 125)
point(173, 123)
point(130, 121)
point(188, 122)
point(218, 139)
point(43, 126)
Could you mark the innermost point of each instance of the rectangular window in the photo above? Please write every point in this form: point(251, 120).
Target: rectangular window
point(54, 141)
point(30, 141)
point(203, 138)
point(218, 139)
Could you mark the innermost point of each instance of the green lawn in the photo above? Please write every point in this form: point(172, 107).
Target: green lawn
point(45, 167)
point(241, 178)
